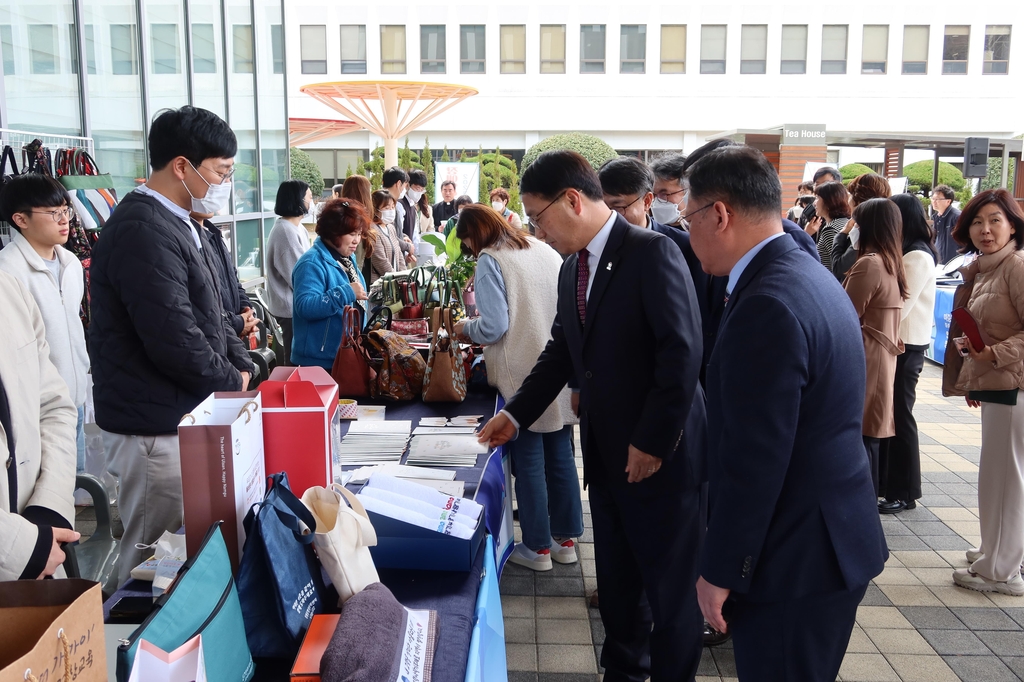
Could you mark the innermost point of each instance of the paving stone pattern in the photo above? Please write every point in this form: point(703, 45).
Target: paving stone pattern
point(913, 625)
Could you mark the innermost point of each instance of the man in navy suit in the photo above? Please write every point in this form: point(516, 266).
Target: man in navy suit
point(628, 332)
point(793, 534)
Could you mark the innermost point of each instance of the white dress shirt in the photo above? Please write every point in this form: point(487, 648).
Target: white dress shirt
point(596, 248)
point(742, 263)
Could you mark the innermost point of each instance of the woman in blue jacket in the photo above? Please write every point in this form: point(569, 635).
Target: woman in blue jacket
point(325, 280)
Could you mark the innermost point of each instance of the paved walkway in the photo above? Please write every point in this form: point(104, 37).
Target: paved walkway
point(913, 624)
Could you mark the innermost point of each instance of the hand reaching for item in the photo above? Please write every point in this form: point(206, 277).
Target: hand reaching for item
point(497, 431)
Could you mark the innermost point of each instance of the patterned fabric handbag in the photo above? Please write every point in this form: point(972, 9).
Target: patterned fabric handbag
point(445, 379)
point(399, 367)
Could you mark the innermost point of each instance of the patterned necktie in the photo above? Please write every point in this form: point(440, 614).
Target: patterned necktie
point(582, 279)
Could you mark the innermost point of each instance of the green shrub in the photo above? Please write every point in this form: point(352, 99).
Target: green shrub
point(594, 149)
point(305, 169)
point(995, 174)
point(919, 176)
point(853, 170)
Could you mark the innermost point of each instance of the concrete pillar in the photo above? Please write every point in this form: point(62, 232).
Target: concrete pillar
point(390, 152)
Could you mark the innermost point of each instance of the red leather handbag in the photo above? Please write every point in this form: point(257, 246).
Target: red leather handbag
point(411, 299)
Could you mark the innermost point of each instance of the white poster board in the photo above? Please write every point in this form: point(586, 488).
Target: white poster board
point(897, 185)
point(466, 177)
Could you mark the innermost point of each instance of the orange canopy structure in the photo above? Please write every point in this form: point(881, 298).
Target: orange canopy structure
point(306, 130)
point(391, 109)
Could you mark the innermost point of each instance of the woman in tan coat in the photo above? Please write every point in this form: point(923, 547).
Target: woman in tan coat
point(992, 225)
point(877, 286)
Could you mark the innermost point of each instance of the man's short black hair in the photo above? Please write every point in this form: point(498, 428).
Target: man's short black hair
point(827, 170)
point(703, 150)
point(418, 177)
point(291, 199)
point(555, 171)
point(739, 175)
point(196, 134)
point(463, 200)
point(806, 200)
point(946, 191)
point(448, 182)
point(393, 175)
point(625, 176)
point(31, 190)
point(669, 166)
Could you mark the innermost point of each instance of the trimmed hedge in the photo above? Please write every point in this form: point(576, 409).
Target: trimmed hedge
point(305, 169)
point(594, 149)
point(853, 170)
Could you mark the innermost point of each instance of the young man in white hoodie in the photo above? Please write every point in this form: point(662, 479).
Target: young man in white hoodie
point(40, 208)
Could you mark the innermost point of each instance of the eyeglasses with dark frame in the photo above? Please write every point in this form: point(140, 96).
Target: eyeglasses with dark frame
point(693, 213)
point(532, 221)
point(664, 195)
point(622, 209)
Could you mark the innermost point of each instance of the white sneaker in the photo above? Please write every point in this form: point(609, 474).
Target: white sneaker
point(526, 557)
point(965, 577)
point(973, 555)
point(564, 552)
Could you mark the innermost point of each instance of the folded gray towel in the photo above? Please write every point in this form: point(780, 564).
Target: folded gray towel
point(379, 640)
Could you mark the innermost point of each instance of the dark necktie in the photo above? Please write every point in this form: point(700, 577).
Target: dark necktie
point(582, 279)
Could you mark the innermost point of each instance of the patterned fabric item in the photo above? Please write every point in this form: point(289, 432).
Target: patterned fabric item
point(582, 279)
point(399, 367)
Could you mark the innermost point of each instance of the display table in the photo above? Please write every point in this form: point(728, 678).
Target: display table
point(471, 644)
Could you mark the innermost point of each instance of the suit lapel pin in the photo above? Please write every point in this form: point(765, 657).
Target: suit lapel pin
point(609, 266)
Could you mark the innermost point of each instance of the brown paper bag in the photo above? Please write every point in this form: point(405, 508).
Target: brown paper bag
point(52, 630)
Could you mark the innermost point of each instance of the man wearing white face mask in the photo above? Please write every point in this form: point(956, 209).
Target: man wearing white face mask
point(160, 342)
point(669, 192)
point(406, 205)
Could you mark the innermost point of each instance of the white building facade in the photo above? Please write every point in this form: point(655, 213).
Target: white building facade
point(652, 77)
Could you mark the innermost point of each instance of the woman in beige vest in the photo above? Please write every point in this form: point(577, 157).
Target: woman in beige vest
point(877, 286)
point(992, 225)
point(516, 295)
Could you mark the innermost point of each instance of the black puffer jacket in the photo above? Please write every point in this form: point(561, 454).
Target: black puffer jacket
point(232, 294)
point(159, 341)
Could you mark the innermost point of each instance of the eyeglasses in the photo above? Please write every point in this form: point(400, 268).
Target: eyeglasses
point(621, 210)
point(664, 194)
point(532, 222)
point(224, 177)
point(68, 213)
point(693, 213)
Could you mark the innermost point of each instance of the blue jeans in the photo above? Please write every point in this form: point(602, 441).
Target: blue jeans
point(80, 440)
point(547, 487)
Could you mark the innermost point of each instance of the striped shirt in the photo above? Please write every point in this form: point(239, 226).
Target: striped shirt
point(827, 238)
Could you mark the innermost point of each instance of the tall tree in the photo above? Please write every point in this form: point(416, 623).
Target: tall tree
point(427, 161)
point(444, 156)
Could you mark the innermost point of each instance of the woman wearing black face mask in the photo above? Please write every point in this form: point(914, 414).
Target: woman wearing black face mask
point(287, 242)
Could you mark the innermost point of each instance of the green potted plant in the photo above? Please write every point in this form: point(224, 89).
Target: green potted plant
point(460, 267)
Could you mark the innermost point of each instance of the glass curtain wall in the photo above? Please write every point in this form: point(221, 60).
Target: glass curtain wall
point(143, 56)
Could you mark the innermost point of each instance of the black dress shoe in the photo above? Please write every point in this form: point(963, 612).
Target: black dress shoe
point(713, 637)
point(891, 506)
point(910, 504)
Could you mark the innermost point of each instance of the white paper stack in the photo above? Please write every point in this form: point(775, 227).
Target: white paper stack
point(374, 442)
point(455, 450)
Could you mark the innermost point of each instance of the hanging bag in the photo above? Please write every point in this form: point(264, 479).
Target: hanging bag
point(445, 378)
point(92, 193)
point(7, 156)
point(351, 369)
point(279, 581)
point(343, 538)
point(398, 365)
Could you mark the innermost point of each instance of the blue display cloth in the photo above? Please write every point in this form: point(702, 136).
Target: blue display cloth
point(943, 313)
point(487, 647)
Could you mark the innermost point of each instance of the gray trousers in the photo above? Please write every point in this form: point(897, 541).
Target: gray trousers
point(148, 472)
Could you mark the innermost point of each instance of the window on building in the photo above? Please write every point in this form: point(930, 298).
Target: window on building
point(164, 43)
point(204, 51)
point(90, 48)
point(633, 49)
point(122, 49)
point(7, 48)
point(712, 48)
point(513, 49)
point(875, 49)
point(673, 49)
point(42, 48)
point(313, 48)
point(432, 48)
point(915, 49)
point(241, 40)
point(472, 47)
point(954, 49)
point(997, 50)
point(353, 49)
point(592, 48)
point(552, 48)
point(833, 48)
point(277, 47)
point(754, 48)
point(392, 49)
point(794, 49)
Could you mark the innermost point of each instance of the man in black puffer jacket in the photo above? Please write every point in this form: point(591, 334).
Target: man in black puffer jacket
point(160, 341)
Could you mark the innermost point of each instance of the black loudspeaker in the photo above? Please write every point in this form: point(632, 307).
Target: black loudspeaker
point(975, 157)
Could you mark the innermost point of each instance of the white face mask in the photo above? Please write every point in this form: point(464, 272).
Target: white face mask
point(402, 195)
point(388, 216)
point(217, 196)
point(665, 212)
point(414, 195)
point(855, 237)
point(498, 206)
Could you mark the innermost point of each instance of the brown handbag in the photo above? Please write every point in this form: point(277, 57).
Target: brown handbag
point(351, 369)
point(445, 378)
